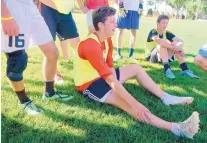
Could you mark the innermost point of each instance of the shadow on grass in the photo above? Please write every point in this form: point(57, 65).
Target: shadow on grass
point(110, 133)
point(105, 132)
point(14, 132)
point(136, 132)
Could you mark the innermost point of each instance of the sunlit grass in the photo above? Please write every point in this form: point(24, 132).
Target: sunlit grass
point(83, 120)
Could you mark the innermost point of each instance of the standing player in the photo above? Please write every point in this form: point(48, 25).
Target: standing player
point(57, 15)
point(102, 83)
point(22, 27)
point(128, 18)
point(201, 59)
point(91, 5)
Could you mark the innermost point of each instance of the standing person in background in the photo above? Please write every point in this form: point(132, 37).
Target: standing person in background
point(24, 27)
point(128, 18)
point(88, 9)
point(57, 15)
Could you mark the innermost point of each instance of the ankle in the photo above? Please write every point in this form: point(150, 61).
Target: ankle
point(175, 129)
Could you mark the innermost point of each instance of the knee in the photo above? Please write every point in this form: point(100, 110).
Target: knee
point(121, 32)
point(138, 68)
point(133, 33)
point(16, 67)
point(52, 54)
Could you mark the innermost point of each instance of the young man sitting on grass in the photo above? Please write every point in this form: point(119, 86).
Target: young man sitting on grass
point(201, 59)
point(163, 46)
point(96, 78)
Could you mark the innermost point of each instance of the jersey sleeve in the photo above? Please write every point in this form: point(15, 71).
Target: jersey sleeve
point(152, 33)
point(170, 36)
point(91, 50)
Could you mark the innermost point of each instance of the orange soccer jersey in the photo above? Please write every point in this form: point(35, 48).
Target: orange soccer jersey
point(92, 51)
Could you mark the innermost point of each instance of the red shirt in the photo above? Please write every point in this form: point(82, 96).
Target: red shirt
point(93, 4)
point(92, 51)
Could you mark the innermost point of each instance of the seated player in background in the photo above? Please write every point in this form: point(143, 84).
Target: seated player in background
point(163, 46)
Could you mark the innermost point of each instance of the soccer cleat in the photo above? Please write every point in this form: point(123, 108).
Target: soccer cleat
point(57, 96)
point(189, 127)
point(116, 58)
point(58, 79)
point(169, 74)
point(188, 73)
point(30, 108)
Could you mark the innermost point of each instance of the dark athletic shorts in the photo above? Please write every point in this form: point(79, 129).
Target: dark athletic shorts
point(62, 24)
point(99, 89)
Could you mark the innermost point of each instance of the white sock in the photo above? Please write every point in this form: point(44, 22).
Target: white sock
point(175, 129)
point(168, 99)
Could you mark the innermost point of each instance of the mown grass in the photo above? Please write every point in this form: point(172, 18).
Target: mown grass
point(83, 120)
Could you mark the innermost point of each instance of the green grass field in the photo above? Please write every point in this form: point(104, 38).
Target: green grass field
point(82, 120)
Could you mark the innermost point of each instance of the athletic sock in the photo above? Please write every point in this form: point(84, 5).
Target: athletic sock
point(49, 88)
point(166, 66)
point(175, 129)
point(168, 99)
point(119, 51)
point(131, 52)
point(22, 96)
point(184, 66)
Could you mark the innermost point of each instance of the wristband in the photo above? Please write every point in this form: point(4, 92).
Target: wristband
point(140, 6)
point(7, 18)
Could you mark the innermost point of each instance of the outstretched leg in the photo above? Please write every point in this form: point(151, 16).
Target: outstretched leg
point(137, 71)
point(187, 128)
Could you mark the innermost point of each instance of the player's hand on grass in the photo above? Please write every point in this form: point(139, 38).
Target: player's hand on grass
point(141, 113)
point(10, 27)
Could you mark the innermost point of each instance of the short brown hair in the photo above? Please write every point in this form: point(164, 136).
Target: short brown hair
point(161, 17)
point(101, 14)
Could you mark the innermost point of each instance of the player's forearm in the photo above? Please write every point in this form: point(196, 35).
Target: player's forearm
point(4, 10)
point(121, 91)
point(113, 72)
point(165, 44)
